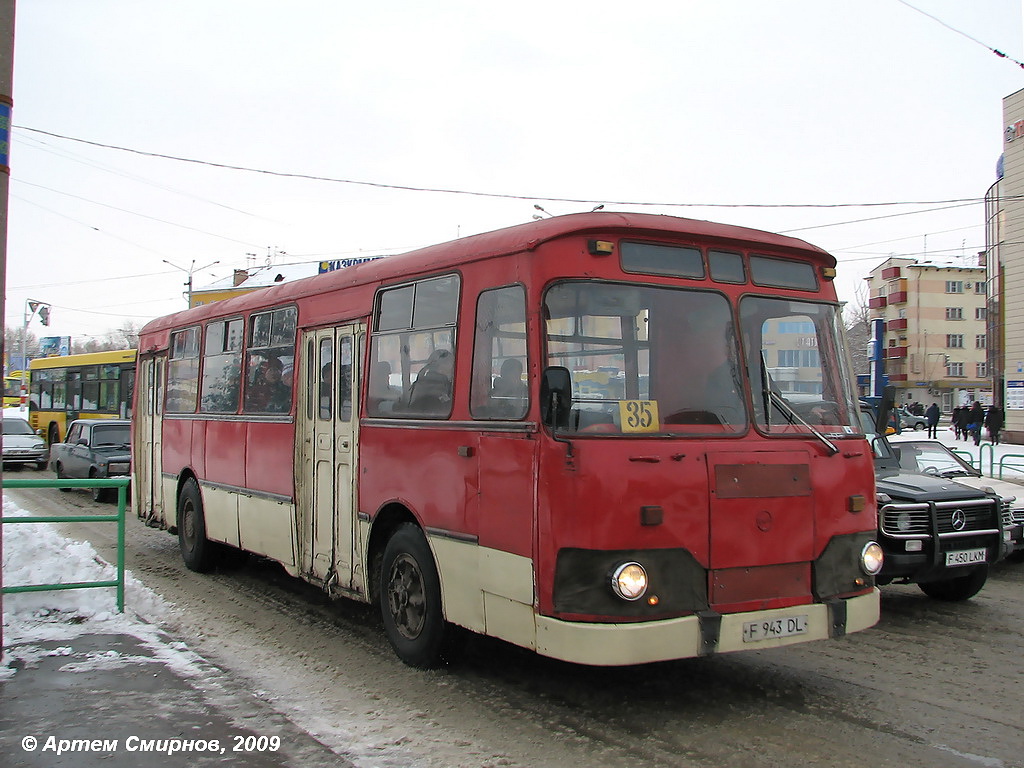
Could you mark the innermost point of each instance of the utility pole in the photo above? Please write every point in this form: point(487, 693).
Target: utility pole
point(190, 271)
point(6, 103)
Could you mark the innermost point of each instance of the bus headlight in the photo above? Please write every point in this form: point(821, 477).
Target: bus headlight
point(871, 558)
point(629, 581)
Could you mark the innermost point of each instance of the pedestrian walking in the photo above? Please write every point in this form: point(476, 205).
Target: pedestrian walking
point(975, 420)
point(960, 422)
point(932, 420)
point(994, 423)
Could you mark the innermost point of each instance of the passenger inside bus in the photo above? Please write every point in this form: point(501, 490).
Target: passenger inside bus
point(381, 396)
point(508, 392)
point(268, 392)
point(711, 391)
point(431, 393)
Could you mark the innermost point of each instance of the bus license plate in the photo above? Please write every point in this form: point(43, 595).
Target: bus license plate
point(755, 631)
point(966, 557)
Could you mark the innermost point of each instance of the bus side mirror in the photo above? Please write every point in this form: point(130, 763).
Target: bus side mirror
point(555, 396)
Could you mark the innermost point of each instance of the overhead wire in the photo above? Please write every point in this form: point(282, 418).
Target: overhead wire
point(497, 195)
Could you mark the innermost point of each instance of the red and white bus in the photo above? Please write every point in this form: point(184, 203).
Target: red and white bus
point(609, 438)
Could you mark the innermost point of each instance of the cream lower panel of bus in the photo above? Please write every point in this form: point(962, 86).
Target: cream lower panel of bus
point(266, 527)
point(486, 590)
point(643, 642)
point(259, 525)
point(220, 511)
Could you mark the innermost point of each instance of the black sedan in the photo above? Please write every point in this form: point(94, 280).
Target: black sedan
point(94, 449)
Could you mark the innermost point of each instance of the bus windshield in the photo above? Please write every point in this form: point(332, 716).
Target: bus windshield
point(677, 353)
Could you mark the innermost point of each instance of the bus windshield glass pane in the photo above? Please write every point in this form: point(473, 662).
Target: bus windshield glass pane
point(646, 359)
point(799, 370)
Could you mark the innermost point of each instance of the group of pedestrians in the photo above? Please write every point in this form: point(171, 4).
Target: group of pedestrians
point(968, 422)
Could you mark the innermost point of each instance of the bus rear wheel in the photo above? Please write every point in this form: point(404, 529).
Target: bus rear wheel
point(199, 553)
point(410, 599)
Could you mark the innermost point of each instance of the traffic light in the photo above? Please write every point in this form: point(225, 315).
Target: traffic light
point(44, 314)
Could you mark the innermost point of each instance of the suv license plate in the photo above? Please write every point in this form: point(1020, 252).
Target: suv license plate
point(755, 631)
point(966, 557)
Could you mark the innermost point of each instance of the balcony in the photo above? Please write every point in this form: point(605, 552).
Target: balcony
point(898, 297)
point(891, 273)
point(896, 351)
point(876, 303)
point(893, 377)
point(896, 325)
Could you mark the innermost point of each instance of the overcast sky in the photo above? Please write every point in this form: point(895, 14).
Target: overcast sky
point(706, 107)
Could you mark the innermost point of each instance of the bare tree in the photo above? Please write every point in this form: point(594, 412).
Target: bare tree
point(857, 319)
point(12, 346)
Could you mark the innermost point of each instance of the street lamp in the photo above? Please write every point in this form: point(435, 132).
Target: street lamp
point(190, 271)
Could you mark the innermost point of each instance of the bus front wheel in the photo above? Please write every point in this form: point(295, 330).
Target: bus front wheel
point(410, 599)
point(198, 552)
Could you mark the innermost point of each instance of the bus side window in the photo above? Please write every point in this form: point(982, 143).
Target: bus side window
point(499, 388)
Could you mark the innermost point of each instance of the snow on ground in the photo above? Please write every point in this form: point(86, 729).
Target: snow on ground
point(34, 553)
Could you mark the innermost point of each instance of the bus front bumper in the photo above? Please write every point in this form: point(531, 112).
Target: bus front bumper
point(711, 633)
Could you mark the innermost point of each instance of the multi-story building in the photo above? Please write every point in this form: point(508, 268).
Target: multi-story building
point(936, 334)
point(1004, 247)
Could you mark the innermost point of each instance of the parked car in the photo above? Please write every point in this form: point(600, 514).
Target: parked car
point(94, 448)
point(910, 420)
point(935, 532)
point(934, 458)
point(22, 444)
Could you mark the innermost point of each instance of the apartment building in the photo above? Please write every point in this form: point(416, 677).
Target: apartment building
point(1004, 248)
point(936, 329)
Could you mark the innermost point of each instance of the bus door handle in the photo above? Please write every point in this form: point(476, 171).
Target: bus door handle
point(646, 459)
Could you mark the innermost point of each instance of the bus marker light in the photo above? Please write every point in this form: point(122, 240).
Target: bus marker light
point(652, 600)
point(856, 503)
point(629, 581)
point(829, 273)
point(600, 247)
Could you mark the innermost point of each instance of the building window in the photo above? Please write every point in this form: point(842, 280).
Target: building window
point(902, 314)
point(954, 313)
point(980, 313)
point(979, 287)
point(954, 286)
point(980, 341)
point(954, 369)
point(955, 340)
point(799, 358)
point(982, 371)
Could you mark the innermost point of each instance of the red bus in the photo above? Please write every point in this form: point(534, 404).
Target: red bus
point(609, 438)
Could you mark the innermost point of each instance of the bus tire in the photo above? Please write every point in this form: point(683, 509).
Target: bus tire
point(957, 589)
point(410, 599)
point(198, 552)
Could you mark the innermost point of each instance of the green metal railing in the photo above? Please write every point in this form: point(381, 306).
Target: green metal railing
point(121, 484)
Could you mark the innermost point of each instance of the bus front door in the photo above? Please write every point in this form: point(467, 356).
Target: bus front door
point(326, 494)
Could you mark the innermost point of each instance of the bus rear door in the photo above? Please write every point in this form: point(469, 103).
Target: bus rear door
point(325, 511)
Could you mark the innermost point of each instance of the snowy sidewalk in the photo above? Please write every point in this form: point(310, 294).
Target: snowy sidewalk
point(82, 685)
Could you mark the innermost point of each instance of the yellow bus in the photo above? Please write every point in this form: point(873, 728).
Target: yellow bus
point(95, 385)
point(12, 389)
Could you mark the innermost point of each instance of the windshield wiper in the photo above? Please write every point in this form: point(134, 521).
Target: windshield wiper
point(794, 418)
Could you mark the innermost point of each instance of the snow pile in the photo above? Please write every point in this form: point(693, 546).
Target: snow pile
point(34, 553)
